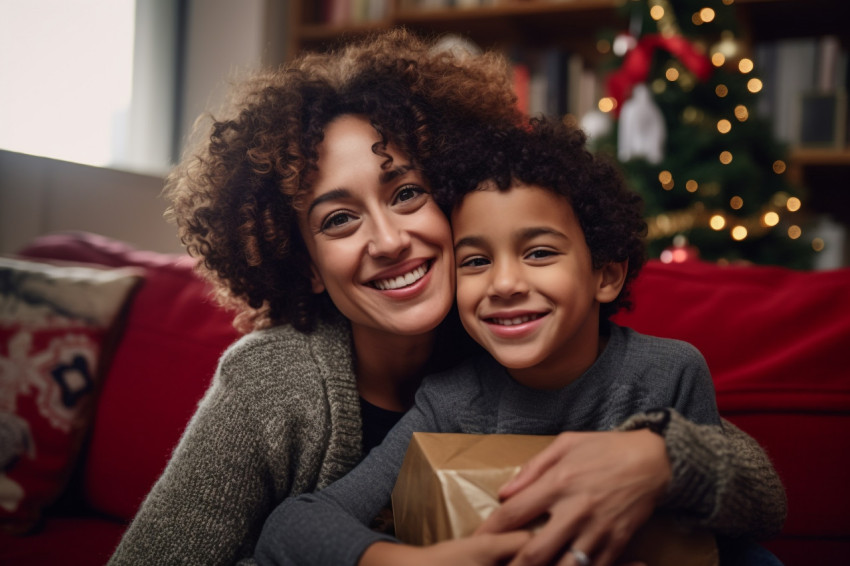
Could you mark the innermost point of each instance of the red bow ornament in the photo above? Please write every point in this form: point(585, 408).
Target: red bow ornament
point(636, 63)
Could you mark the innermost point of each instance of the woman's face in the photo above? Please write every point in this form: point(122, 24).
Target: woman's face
point(379, 244)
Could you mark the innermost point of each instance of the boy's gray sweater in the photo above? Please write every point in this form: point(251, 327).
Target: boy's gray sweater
point(634, 374)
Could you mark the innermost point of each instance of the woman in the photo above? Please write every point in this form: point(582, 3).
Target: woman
point(327, 368)
point(309, 205)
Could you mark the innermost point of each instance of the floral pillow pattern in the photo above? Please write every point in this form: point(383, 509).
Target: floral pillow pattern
point(55, 322)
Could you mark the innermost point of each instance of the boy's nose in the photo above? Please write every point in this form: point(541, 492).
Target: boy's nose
point(507, 279)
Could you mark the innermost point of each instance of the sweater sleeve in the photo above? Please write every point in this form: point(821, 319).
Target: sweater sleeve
point(330, 527)
point(722, 479)
point(226, 473)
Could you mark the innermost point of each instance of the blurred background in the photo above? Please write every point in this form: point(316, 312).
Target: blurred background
point(729, 116)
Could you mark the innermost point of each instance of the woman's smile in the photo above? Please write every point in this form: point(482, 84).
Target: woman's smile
point(393, 282)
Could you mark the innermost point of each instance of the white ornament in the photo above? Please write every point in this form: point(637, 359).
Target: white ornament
point(623, 43)
point(596, 124)
point(642, 131)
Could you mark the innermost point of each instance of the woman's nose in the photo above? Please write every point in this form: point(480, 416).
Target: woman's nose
point(507, 279)
point(389, 237)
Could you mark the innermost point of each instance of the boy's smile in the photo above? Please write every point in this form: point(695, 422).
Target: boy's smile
point(526, 288)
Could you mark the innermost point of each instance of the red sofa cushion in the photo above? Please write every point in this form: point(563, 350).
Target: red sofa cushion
point(774, 338)
point(172, 339)
point(776, 342)
point(69, 541)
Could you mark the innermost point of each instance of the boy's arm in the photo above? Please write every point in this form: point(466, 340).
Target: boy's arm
point(721, 477)
point(482, 550)
point(331, 526)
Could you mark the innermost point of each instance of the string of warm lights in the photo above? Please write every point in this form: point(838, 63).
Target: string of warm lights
point(778, 213)
point(779, 210)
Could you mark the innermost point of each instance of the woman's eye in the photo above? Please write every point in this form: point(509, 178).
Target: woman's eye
point(336, 221)
point(408, 192)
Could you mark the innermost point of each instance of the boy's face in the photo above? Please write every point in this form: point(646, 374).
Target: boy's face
point(526, 288)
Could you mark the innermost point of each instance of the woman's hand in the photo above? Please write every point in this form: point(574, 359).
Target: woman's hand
point(596, 487)
point(484, 550)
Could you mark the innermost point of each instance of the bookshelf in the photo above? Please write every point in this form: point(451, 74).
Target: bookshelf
point(495, 22)
point(574, 25)
point(535, 23)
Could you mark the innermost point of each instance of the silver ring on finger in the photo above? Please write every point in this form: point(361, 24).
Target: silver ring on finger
point(580, 557)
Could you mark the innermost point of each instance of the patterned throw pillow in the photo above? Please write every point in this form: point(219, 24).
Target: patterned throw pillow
point(56, 323)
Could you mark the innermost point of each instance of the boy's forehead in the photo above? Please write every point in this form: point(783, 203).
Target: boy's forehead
point(489, 208)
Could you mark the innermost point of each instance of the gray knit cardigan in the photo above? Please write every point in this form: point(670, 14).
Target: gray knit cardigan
point(282, 417)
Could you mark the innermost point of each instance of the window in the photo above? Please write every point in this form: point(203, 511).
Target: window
point(73, 83)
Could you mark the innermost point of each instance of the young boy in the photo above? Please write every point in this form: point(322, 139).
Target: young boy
point(546, 241)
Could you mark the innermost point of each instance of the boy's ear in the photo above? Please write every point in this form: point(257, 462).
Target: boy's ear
point(612, 281)
point(317, 284)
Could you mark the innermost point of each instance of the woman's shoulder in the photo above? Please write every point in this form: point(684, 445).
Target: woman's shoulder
point(285, 338)
point(282, 353)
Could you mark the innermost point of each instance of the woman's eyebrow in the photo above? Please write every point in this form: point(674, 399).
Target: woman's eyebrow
point(385, 177)
point(328, 196)
point(394, 173)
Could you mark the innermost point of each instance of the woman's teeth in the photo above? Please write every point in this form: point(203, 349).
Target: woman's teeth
point(402, 280)
point(515, 320)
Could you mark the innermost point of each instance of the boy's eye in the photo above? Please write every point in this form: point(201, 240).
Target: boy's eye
point(475, 262)
point(540, 254)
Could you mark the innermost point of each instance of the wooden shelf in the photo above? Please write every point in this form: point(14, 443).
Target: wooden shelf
point(525, 22)
point(310, 35)
point(765, 20)
point(529, 23)
point(805, 157)
point(580, 8)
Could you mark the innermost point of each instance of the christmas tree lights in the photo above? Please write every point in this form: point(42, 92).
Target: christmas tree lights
point(681, 78)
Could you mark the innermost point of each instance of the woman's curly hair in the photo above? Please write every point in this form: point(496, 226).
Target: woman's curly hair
point(553, 156)
point(235, 196)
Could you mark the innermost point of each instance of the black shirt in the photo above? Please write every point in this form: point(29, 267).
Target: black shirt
point(377, 422)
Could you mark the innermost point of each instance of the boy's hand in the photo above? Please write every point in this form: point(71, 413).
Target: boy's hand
point(596, 487)
point(483, 550)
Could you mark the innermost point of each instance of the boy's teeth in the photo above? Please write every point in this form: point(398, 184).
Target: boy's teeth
point(515, 320)
point(402, 280)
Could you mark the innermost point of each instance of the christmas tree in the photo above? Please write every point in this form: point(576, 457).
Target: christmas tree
point(683, 96)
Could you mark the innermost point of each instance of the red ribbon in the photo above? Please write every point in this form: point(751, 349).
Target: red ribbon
point(635, 67)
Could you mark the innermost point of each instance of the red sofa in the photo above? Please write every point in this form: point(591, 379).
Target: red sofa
point(775, 340)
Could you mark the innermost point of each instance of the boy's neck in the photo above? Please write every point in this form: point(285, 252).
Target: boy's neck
point(389, 368)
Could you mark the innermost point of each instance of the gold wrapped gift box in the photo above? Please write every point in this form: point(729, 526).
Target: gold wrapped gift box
point(448, 485)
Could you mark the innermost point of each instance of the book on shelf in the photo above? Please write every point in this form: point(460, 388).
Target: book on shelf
point(553, 82)
point(347, 12)
point(798, 74)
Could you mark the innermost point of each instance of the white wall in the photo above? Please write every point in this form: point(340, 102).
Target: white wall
point(224, 41)
point(38, 196)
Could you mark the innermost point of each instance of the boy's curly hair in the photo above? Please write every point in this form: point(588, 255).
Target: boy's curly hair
point(235, 196)
point(553, 156)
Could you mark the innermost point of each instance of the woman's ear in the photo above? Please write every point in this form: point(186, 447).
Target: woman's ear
point(317, 284)
point(612, 281)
